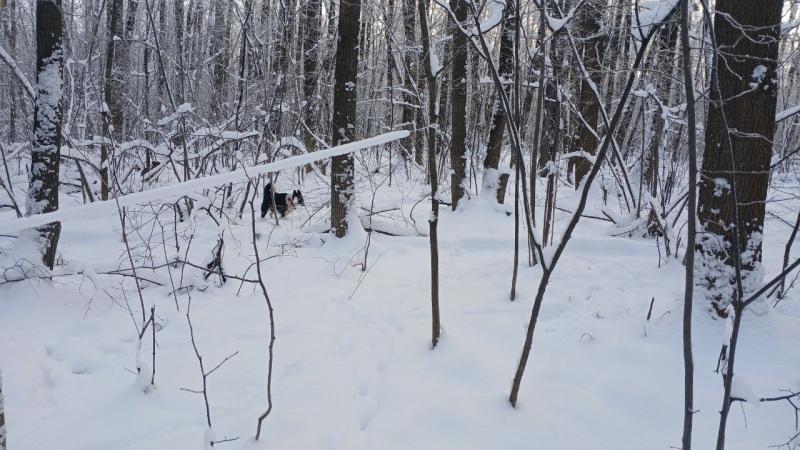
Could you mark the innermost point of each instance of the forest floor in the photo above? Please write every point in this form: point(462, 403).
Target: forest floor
point(353, 365)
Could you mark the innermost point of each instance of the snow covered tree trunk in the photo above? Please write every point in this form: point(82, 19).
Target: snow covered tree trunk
point(410, 76)
point(590, 25)
point(179, 34)
point(220, 65)
point(344, 112)
point(46, 144)
point(10, 30)
point(458, 108)
point(691, 232)
point(739, 130)
point(2, 416)
point(162, 37)
point(311, 30)
point(114, 89)
point(123, 55)
point(433, 118)
point(663, 66)
point(492, 180)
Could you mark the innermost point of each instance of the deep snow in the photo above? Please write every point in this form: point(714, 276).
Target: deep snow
point(353, 364)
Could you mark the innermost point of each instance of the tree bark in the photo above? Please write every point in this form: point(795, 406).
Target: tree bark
point(433, 178)
point(179, 32)
point(688, 294)
point(662, 70)
point(492, 181)
point(113, 88)
point(46, 145)
point(590, 25)
point(10, 30)
point(410, 100)
point(458, 106)
point(344, 113)
point(739, 129)
point(311, 30)
point(220, 64)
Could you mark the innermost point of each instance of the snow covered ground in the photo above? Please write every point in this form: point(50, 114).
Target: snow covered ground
point(353, 364)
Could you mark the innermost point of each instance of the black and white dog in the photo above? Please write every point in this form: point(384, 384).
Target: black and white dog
point(284, 202)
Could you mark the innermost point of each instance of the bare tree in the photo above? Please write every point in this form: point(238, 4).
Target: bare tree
point(113, 90)
point(311, 31)
point(343, 127)
point(592, 36)
point(430, 62)
point(738, 147)
point(410, 100)
point(458, 107)
point(493, 181)
point(46, 145)
point(688, 294)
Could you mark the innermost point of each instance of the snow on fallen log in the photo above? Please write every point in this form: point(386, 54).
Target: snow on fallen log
point(161, 194)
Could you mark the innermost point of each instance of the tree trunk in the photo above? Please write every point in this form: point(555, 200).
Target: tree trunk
point(410, 100)
point(10, 30)
point(458, 107)
point(162, 38)
point(124, 51)
point(311, 30)
point(179, 32)
point(433, 178)
point(663, 66)
point(492, 182)
point(344, 113)
point(739, 130)
point(220, 64)
point(113, 90)
point(590, 25)
point(688, 293)
point(46, 145)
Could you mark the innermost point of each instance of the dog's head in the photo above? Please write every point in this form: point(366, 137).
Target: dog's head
point(297, 197)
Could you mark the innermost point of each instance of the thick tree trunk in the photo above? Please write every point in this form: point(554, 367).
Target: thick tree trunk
point(344, 113)
point(458, 106)
point(590, 25)
point(492, 181)
point(46, 145)
point(739, 130)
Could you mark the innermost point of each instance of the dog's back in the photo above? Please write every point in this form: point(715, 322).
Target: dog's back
point(281, 203)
